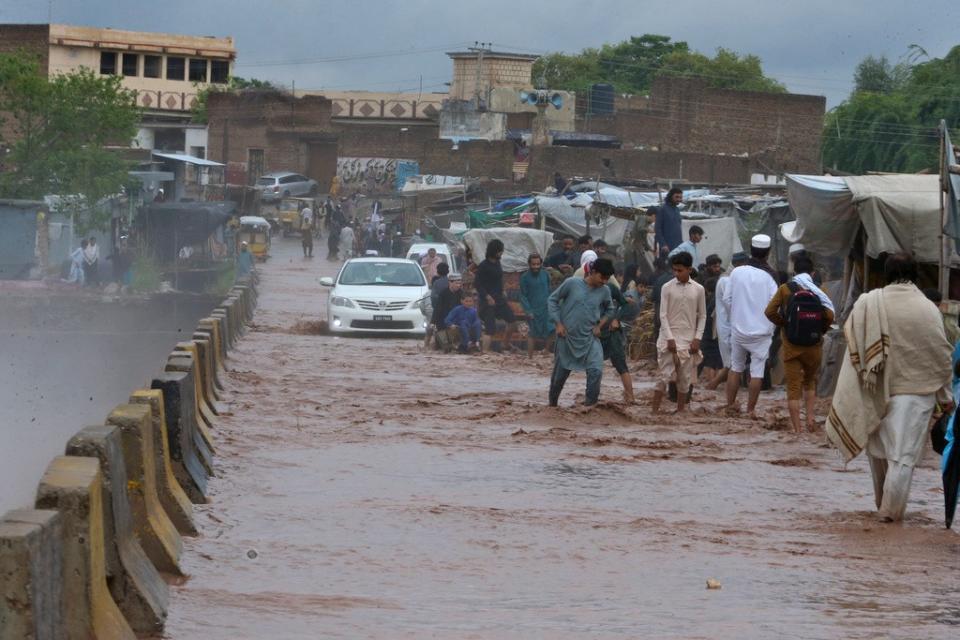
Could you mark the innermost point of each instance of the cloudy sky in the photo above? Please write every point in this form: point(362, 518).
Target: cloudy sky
point(810, 45)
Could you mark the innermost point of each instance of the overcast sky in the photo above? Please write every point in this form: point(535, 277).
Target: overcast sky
point(811, 46)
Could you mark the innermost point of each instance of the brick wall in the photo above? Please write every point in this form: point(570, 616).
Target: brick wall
point(686, 115)
point(635, 164)
point(285, 129)
point(31, 39)
point(485, 159)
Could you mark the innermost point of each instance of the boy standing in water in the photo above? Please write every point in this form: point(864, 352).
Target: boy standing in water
point(683, 317)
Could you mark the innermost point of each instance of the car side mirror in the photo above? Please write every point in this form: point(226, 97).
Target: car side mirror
point(326, 281)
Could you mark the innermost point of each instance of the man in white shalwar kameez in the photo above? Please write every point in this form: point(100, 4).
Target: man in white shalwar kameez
point(896, 372)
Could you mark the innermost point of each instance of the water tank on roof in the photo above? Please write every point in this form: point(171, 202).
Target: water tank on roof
point(601, 99)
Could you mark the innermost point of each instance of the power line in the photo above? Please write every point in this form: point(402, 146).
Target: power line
point(352, 57)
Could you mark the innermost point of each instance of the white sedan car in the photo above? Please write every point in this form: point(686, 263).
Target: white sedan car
point(377, 295)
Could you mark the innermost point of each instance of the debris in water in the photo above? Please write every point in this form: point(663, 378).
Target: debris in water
point(252, 554)
point(713, 583)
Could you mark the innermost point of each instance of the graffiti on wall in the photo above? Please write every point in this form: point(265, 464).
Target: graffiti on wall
point(373, 173)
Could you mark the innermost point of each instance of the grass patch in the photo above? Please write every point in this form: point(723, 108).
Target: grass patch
point(224, 279)
point(147, 275)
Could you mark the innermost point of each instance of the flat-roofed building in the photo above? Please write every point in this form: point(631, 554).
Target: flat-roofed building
point(166, 71)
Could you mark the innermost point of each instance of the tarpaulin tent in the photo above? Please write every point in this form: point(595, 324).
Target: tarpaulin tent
point(569, 210)
point(896, 212)
point(719, 236)
point(518, 244)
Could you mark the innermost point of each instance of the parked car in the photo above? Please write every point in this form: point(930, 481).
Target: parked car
point(377, 295)
point(283, 184)
point(417, 251)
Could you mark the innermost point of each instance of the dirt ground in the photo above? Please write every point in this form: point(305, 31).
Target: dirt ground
point(368, 489)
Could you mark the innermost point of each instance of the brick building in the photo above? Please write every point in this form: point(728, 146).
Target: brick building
point(165, 70)
point(778, 132)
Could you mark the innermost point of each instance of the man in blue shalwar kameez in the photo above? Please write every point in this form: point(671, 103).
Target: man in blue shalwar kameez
point(580, 308)
point(534, 291)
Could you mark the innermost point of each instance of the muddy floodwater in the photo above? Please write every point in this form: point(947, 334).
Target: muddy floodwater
point(367, 489)
point(67, 358)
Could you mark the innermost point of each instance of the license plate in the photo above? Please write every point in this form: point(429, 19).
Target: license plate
point(387, 318)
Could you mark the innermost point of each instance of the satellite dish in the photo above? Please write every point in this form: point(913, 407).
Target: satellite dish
point(556, 100)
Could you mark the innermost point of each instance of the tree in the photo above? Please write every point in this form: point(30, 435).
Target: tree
point(889, 122)
point(877, 75)
point(726, 70)
point(235, 84)
point(60, 129)
point(632, 65)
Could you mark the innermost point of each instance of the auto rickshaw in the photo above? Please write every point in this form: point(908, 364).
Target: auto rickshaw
point(288, 214)
point(255, 231)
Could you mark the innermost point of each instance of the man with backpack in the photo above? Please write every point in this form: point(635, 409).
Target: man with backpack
point(804, 313)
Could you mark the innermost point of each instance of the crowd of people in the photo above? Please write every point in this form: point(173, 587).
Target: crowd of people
point(716, 326)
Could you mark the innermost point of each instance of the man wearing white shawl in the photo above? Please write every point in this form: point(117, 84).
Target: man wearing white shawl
point(801, 363)
point(896, 369)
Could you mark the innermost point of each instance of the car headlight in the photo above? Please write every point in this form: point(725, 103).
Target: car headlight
point(340, 301)
point(417, 304)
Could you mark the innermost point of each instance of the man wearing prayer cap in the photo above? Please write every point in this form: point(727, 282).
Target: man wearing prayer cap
point(750, 288)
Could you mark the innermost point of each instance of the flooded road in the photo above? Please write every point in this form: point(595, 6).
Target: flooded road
point(66, 360)
point(366, 489)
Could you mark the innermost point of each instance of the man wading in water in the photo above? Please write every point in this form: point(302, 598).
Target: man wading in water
point(580, 308)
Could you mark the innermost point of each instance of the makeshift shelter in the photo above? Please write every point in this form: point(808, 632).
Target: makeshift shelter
point(720, 236)
point(859, 218)
point(168, 227)
point(895, 213)
point(518, 244)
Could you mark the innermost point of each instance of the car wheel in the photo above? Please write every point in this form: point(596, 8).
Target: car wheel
point(286, 194)
point(314, 190)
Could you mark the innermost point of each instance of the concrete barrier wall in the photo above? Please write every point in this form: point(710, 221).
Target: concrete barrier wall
point(89, 561)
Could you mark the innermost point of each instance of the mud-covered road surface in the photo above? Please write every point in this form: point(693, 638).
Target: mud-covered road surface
point(366, 489)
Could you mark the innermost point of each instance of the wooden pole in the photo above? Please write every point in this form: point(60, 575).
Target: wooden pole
point(944, 240)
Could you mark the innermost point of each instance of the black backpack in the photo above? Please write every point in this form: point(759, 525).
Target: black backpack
point(805, 315)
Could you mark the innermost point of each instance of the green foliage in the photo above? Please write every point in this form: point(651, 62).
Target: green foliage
point(632, 65)
point(146, 273)
point(726, 70)
point(60, 129)
point(877, 75)
point(224, 280)
point(235, 84)
point(889, 122)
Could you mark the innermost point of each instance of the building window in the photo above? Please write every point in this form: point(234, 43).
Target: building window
point(108, 63)
point(152, 66)
point(219, 71)
point(198, 70)
point(176, 67)
point(131, 62)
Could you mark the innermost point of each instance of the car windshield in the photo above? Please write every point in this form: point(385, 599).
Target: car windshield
point(263, 182)
point(391, 274)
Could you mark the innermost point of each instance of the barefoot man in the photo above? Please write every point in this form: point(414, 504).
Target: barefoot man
point(683, 316)
point(750, 288)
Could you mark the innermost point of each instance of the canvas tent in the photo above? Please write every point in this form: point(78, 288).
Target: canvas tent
point(518, 244)
point(719, 236)
point(896, 212)
point(568, 211)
